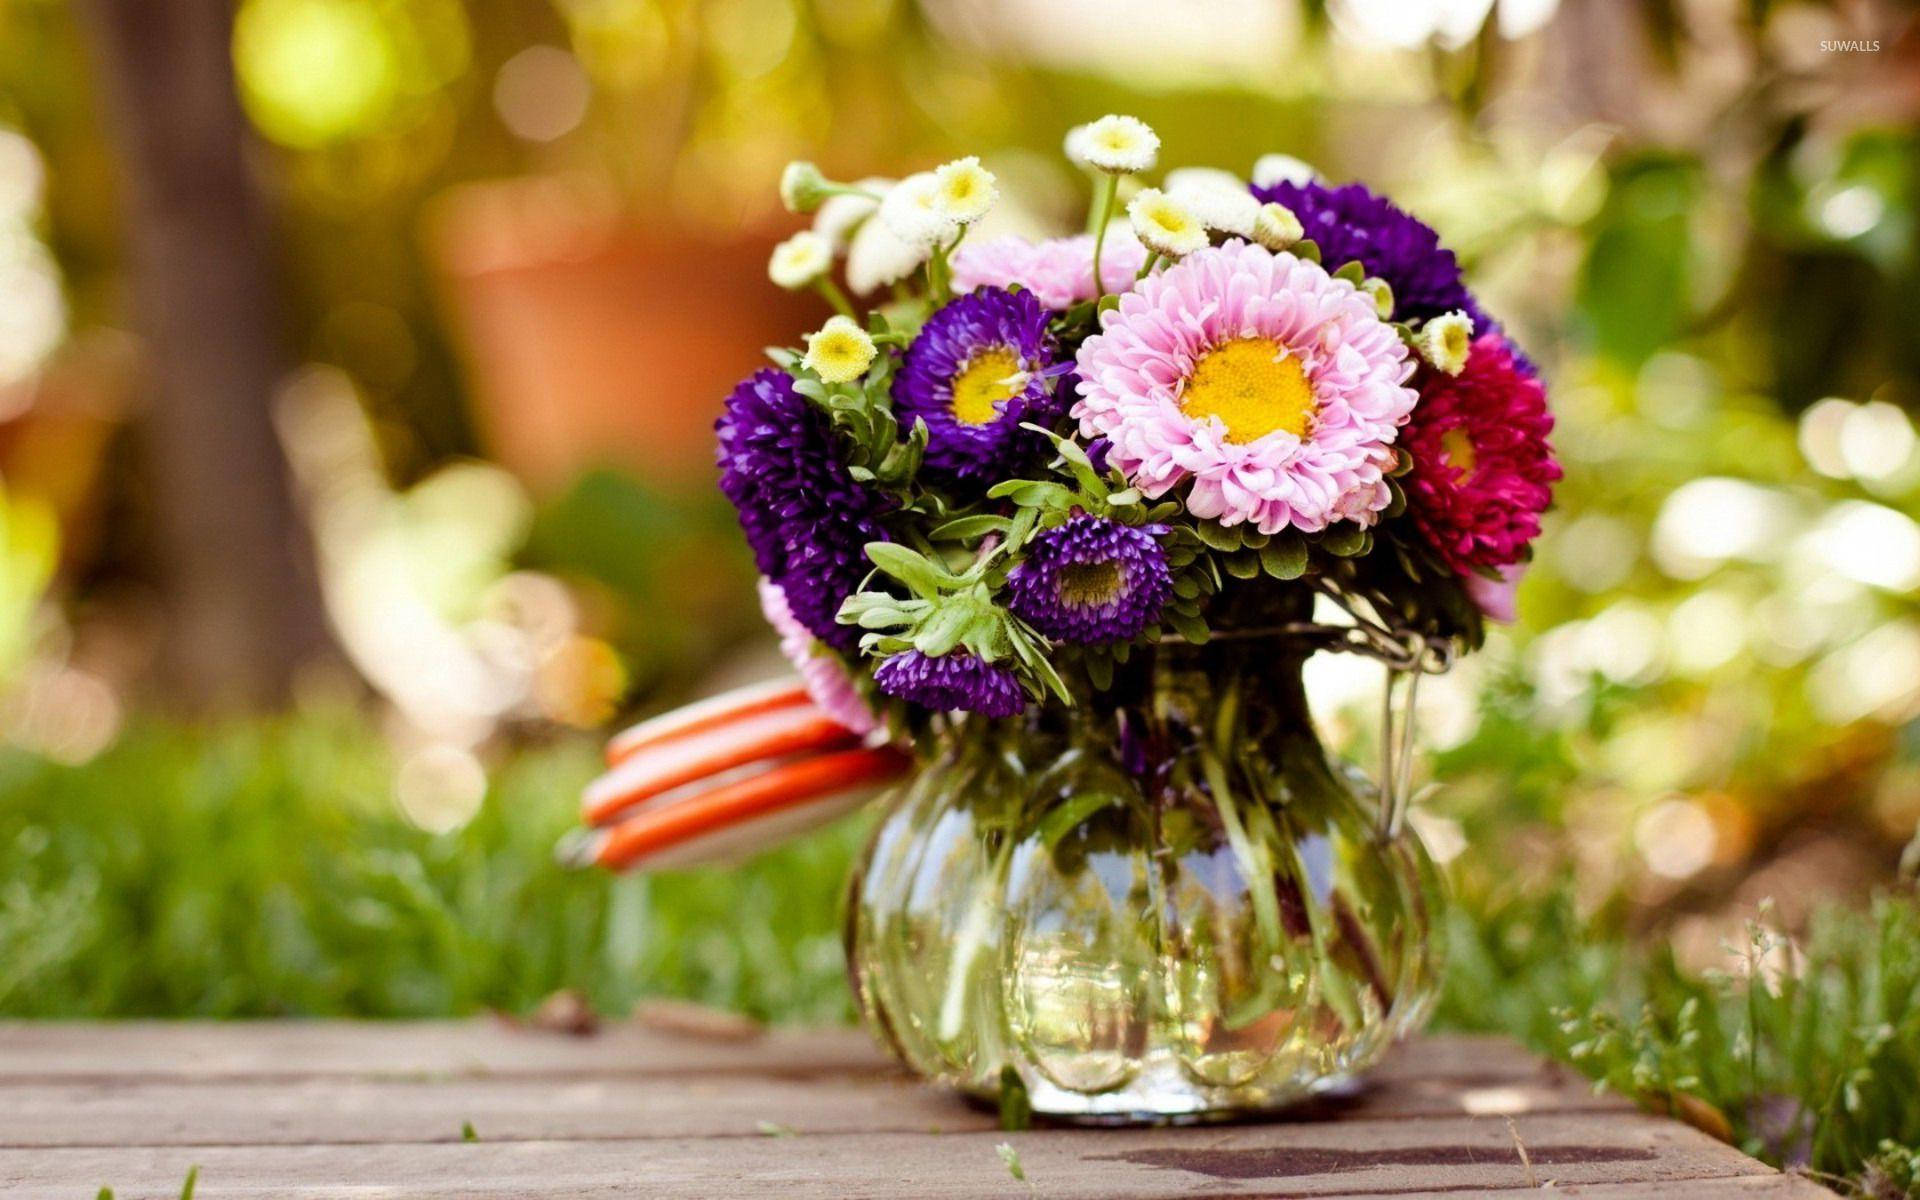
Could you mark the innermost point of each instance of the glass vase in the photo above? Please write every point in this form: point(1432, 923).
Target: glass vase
point(1170, 905)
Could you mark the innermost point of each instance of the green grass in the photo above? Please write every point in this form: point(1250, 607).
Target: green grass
point(261, 870)
point(1811, 1066)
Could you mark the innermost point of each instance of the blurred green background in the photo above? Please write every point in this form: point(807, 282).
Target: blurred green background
point(357, 366)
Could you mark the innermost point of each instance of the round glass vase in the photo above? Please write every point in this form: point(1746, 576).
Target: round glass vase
point(1170, 906)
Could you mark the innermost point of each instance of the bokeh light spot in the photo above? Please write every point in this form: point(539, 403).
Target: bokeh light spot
point(314, 71)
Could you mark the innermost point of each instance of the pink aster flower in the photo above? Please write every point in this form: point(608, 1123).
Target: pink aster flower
point(820, 669)
point(1272, 387)
point(1482, 469)
point(1058, 271)
point(1498, 599)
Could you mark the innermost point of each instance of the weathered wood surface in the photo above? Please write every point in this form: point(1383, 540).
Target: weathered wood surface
point(334, 1109)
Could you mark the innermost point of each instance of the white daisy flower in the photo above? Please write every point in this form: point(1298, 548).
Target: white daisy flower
point(1282, 168)
point(1446, 340)
point(800, 260)
point(966, 190)
point(1276, 228)
point(843, 213)
point(802, 187)
point(839, 351)
point(877, 257)
point(1231, 210)
point(1181, 178)
point(1118, 145)
point(1164, 225)
point(914, 211)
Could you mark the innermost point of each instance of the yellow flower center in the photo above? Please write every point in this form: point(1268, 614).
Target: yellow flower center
point(986, 380)
point(1457, 448)
point(1088, 585)
point(1254, 386)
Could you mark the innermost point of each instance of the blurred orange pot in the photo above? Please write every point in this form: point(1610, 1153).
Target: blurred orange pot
point(588, 342)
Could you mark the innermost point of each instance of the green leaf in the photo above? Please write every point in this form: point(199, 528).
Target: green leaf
point(967, 529)
point(1032, 493)
point(1284, 558)
point(1021, 529)
point(942, 631)
point(1100, 671)
point(1243, 564)
point(918, 572)
point(1189, 626)
point(1306, 248)
point(1345, 539)
point(882, 617)
point(1396, 499)
point(1354, 272)
point(1218, 536)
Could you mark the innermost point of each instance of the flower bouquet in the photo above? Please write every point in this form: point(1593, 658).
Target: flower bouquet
point(1048, 532)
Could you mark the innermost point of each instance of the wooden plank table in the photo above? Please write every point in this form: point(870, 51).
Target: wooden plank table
point(310, 1109)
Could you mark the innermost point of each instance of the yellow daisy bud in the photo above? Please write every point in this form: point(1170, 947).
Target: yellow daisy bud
point(1115, 144)
point(1446, 341)
point(965, 190)
point(800, 260)
point(1276, 228)
point(839, 351)
point(914, 210)
point(1164, 225)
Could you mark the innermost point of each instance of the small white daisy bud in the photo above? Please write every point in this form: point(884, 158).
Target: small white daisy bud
point(876, 258)
point(839, 351)
point(1164, 225)
point(913, 210)
point(1276, 227)
point(1382, 293)
point(1230, 210)
point(800, 260)
point(1115, 144)
point(1446, 341)
point(966, 190)
point(1281, 168)
point(843, 212)
point(802, 187)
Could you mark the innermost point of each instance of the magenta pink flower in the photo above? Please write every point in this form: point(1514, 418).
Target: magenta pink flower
point(1058, 271)
point(821, 670)
point(1272, 388)
point(1483, 471)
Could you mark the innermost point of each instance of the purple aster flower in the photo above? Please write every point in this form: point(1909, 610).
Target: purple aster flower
point(980, 367)
point(1350, 223)
point(1091, 580)
point(805, 517)
point(952, 681)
